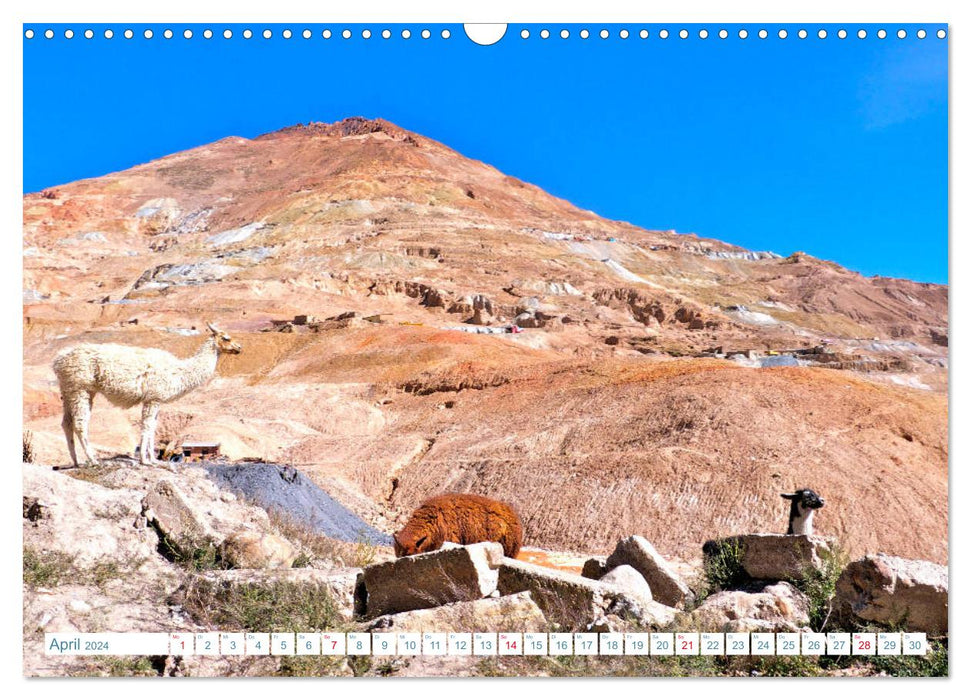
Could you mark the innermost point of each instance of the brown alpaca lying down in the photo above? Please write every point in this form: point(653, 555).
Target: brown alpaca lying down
point(463, 518)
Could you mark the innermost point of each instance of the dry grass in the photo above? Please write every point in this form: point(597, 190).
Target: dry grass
point(320, 551)
point(279, 606)
point(51, 569)
point(28, 447)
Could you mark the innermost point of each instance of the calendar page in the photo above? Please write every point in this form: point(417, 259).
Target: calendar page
point(429, 349)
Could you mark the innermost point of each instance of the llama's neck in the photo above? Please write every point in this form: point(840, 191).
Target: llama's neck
point(800, 520)
point(198, 369)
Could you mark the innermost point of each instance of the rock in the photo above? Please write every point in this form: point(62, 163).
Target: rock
point(594, 568)
point(666, 586)
point(480, 301)
point(460, 307)
point(778, 607)
point(85, 521)
point(180, 525)
point(634, 618)
point(517, 613)
point(253, 550)
point(574, 602)
point(434, 298)
point(629, 580)
point(566, 599)
point(188, 503)
point(893, 591)
point(776, 557)
point(635, 609)
point(79, 606)
point(158, 215)
point(532, 319)
point(34, 510)
point(480, 317)
point(635, 602)
point(610, 623)
point(339, 584)
point(451, 574)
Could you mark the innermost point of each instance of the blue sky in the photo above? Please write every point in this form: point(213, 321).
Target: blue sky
point(835, 147)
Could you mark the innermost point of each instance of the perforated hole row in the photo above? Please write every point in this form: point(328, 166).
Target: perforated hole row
point(446, 34)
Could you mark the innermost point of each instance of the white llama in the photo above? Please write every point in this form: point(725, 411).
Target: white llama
point(128, 376)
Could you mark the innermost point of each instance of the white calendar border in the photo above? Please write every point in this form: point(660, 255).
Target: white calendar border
point(508, 10)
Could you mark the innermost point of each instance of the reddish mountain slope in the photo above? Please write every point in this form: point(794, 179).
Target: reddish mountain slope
point(613, 413)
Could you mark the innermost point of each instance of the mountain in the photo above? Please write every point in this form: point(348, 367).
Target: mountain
point(664, 384)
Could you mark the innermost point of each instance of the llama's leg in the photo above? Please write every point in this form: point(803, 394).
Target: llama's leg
point(149, 420)
point(81, 412)
point(67, 423)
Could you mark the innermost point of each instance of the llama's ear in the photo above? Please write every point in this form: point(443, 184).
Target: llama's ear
point(212, 328)
point(420, 542)
point(790, 496)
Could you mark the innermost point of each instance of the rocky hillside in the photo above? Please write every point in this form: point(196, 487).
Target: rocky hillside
point(663, 384)
point(123, 548)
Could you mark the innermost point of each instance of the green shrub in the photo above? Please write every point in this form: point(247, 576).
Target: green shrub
point(819, 585)
point(195, 554)
point(934, 664)
point(722, 568)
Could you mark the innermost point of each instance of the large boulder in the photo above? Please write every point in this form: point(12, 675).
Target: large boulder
point(636, 604)
point(566, 599)
point(667, 587)
point(190, 512)
point(778, 607)
point(86, 522)
point(775, 557)
point(574, 602)
point(183, 527)
point(893, 591)
point(512, 613)
point(629, 580)
point(451, 574)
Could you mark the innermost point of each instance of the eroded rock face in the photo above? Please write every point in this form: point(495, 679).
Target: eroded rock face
point(772, 557)
point(777, 607)
point(85, 521)
point(517, 612)
point(451, 574)
point(167, 509)
point(189, 511)
point(666, 586)
point(893, 591)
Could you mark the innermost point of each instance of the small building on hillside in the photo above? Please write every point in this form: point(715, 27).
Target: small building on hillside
point(200, 451)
